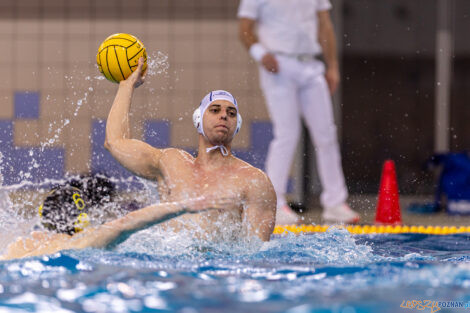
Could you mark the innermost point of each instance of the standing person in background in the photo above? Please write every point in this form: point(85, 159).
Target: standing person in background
point(290, 37)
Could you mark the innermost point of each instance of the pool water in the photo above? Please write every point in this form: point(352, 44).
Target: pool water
point(323, 272)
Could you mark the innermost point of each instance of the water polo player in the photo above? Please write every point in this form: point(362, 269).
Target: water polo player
point(65, 210)
point(215, 172)
point(220, 188)
point(70, 207)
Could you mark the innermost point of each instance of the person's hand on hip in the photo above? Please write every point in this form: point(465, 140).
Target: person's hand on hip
point(269, 62)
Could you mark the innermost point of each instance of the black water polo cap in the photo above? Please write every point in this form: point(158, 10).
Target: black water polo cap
point(65, 210)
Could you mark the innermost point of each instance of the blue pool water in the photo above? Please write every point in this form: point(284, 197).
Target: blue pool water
point(325, 272)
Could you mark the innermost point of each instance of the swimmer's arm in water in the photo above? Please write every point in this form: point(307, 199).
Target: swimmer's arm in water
point(135, 155)
point(116, 231)
point(102, 236)
point(109, 233)
point(99, 237)
point(260, 211)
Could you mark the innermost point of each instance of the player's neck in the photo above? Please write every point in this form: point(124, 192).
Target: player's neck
point(212, 155)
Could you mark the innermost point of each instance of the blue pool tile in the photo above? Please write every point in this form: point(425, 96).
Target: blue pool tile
point(261, 136)
point(157, 133)
point(26, 104)
point(32, 165)
point(101, 160)
point(6, 134)
point(28, 164)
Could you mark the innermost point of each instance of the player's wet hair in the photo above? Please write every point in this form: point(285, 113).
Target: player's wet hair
point(65, 210)
point(70, 207)
point(97, 188)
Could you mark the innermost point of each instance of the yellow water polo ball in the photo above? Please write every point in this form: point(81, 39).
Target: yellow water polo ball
point(118, 56)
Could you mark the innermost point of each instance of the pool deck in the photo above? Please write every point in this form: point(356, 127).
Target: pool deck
point(366, 206)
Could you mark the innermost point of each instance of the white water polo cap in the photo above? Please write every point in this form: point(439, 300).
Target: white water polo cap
point(206, 101)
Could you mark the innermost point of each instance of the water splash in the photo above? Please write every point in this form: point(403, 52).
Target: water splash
point(192, 237)
point(11, 224)
point(5, 202)
point(284, 274)
point(157, 64)
point(19, 217)
point(66, 121)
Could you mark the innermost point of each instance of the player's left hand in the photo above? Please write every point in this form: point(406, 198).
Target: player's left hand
point(332, 78)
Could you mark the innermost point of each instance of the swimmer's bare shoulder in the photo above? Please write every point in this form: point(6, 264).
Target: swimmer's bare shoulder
point(174, 159)
point(257, 181)
point(174, 154)
point(260, 200)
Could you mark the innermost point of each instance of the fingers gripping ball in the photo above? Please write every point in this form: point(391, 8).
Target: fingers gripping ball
point(118, 56)
point(64, 210)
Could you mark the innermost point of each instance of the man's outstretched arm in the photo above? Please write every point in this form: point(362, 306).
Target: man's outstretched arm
point(135, 155)
point(116, 231)
point(98, 237)
point(113, 232)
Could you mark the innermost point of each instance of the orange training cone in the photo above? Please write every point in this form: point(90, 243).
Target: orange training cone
point(388, 205)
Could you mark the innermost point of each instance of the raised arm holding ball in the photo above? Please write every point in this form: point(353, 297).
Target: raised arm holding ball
point(214, 173)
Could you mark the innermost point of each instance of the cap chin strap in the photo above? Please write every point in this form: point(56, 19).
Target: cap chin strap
point(222, 148)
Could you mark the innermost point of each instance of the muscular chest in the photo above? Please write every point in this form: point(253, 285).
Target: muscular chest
point(186, 182)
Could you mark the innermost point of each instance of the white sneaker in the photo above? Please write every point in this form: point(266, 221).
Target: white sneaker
point(285, 216)
point(340, 214)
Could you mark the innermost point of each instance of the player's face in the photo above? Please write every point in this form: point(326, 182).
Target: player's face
point(220, 121)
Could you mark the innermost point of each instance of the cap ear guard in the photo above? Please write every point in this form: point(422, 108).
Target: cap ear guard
point(197, 119)
point(239, 123)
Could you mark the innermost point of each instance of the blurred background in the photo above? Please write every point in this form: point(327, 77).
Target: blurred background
point(404, 91)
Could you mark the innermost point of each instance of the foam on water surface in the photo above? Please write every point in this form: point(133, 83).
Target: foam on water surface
point(306, 273)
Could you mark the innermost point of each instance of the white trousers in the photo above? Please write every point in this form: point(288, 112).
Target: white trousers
point(299, 90)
